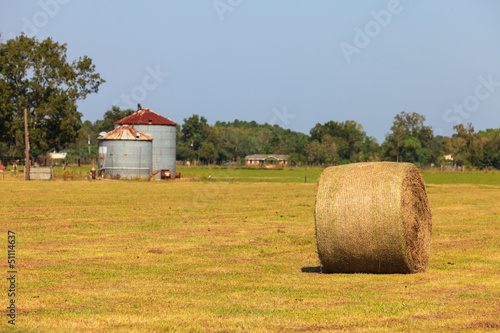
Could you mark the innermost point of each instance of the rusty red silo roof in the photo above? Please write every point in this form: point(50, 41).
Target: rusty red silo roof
point(145, 117)
point(125, 132)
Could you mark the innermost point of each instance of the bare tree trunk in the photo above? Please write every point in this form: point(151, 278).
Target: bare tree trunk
point(27, 144)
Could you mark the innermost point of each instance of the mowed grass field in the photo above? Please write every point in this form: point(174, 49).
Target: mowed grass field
point(235, 256)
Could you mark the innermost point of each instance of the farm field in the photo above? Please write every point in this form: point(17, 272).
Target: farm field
point(310, 175)
point(237, 254)
point(286, 175)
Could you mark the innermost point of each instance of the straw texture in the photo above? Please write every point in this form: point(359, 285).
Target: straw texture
point(373, 218)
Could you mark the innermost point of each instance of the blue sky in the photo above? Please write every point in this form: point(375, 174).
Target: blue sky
point(293, 63)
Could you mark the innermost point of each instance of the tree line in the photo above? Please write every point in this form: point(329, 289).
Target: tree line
point(331, 143)
point(37, 76)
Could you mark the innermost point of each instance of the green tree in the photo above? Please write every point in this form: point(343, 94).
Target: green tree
point(473, 153)
point(238, 138)
point(454, 146)
point(313, 152)
point(37, 76)
point(184, 154)
point(349, 138)
point(370, 151)
point(410, 140)
point(297, 159)
point(329, 150)
point(435, 149)
point(194, 131)
point(207, 153)
point(80, 148)
point(111, 116)
point(491, 147)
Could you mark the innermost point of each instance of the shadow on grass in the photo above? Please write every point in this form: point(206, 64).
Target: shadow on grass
point(317, 269)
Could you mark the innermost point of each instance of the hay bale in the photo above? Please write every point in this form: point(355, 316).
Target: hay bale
point(373, 218)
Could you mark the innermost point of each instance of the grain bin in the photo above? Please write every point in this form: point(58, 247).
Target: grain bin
point(125, 153)
point(162, 130)
point(373, 218)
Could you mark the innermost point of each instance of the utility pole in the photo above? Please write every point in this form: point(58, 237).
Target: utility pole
point(89, 151)
point(27, 144)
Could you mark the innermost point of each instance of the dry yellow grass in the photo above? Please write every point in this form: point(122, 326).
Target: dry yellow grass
point(110, 256)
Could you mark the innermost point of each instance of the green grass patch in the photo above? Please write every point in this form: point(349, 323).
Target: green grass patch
point(276, 175)
point(249, 174)
point(457, 177)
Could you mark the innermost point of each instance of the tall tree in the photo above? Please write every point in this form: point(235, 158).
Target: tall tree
point(348, 136)
point(410, 140)
point(37, 76)
point(208, 152)
point(473, 147)
point(491, 143)
point(194, 131)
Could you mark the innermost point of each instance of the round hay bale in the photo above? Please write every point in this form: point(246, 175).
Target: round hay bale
point(373, 218)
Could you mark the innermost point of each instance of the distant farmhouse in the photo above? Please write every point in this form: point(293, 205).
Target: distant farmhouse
point(59, 155)
point(268, 160)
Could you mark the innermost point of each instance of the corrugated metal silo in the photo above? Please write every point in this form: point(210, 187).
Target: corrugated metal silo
point(162, 130)
point(125, 153)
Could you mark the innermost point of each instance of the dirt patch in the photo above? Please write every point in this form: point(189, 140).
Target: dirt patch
point(479, 325)
point(319, 328)
point(156, 251)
